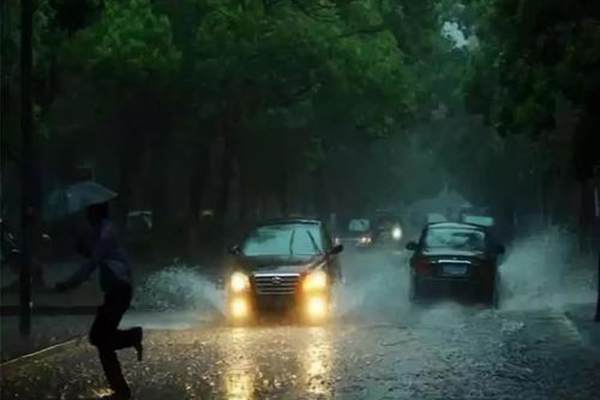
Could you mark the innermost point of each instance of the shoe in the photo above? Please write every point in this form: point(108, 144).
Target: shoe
point(139, 346)
point(117, 396)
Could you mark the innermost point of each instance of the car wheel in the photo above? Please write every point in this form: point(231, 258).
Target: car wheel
point(415, 289)
point(496, 292)
point(491, 293)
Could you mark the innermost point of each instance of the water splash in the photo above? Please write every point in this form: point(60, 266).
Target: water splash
point(546, 271)
point(180, 287)
point(376, 285)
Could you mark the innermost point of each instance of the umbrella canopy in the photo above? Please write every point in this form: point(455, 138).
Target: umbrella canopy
point(75, 197)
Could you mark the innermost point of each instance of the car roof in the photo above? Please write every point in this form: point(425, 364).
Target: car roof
point(455, 225)
point(289, 221)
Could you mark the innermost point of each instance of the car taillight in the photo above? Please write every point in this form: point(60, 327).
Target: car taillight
point(422, 266)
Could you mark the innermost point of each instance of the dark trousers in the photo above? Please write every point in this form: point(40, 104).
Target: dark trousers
point(107, 338)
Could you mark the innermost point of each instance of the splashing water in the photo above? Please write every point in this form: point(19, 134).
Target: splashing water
point(182, 288)
point(376, 285)
point(546, 271)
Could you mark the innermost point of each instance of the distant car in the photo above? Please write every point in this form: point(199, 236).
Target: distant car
point(359, 233)
point(286, 264)
point(455, 255)
point(140, 221)
point(388, 232)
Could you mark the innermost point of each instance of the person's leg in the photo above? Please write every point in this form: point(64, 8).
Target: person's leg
point(125, 338)
point(104, 334)
point(114, 375)
point(109, 316)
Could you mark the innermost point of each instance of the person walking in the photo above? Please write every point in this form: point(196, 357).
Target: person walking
point(107, 254)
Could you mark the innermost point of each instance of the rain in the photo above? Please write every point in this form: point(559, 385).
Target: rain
point(299, 199)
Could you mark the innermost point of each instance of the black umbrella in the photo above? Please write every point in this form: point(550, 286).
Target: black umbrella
point(73, 198)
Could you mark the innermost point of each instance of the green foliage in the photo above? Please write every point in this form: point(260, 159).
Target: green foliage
point(532, 54)
point(129, 42)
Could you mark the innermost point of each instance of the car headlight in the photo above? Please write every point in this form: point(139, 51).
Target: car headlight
point(365, 240)
point(239, 282)
point(240, 308)
point(397, 233)
point(316, 280)
point(317, 307)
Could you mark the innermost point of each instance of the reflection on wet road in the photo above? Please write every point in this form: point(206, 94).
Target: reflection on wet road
point(379, 348)
point(480, 355)
point(240, 372)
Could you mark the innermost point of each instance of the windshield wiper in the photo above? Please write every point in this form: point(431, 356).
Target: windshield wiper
point(292, 243)
point(314, 242)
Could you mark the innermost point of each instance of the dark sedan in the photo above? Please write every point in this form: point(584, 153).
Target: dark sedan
point(282, 265)
point(358, 234)
point(455, 256)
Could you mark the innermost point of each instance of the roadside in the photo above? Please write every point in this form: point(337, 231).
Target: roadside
point(46, 331)
point(55, 330)
point(582, 317)
point(172, 296)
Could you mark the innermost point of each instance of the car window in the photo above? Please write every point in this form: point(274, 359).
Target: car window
point(456, 239)
point(359, 225)
point(284, 240)
point(433, 218)
point(478, 220)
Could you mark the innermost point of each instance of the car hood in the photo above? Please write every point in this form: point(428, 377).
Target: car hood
point(270, 264)
point(453, 253)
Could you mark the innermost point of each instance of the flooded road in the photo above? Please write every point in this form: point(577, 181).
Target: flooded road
point(377, 347)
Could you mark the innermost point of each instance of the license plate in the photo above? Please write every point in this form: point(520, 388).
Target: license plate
point(454, 270)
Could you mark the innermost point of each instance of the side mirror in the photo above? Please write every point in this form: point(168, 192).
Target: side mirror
point(337, 249)
point(412, 246)
point(234, 250)
point(500, 249)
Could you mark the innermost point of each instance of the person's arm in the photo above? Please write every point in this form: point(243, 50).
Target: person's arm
point(87, 268)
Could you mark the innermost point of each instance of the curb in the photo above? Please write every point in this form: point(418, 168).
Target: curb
point(36, 355)
point(588, 330)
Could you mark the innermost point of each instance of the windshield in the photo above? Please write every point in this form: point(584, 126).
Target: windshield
point(478, 220)
point(455, 239)
point(359, 225)
point(284, 240)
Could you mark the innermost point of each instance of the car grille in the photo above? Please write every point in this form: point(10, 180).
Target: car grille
point(284, 284)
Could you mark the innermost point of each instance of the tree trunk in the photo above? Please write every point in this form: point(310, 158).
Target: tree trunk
point(196, 188)
point(597, 317)
point(222, 207)
point(28, 210)
point(283, 195)
point(244, 212)
point(321, 208)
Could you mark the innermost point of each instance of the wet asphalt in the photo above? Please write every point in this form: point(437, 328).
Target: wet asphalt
point(378, 346)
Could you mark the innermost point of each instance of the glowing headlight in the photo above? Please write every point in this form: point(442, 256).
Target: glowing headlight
point(316, 280)
point(397, 233)
point(317, 307)
point(239, 308)
point(239, 282)
point(365, 240)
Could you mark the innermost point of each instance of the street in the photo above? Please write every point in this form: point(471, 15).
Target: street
point(377, 347)
point(300, 200)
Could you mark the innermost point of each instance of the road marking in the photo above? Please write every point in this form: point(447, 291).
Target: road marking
point(43, 352)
